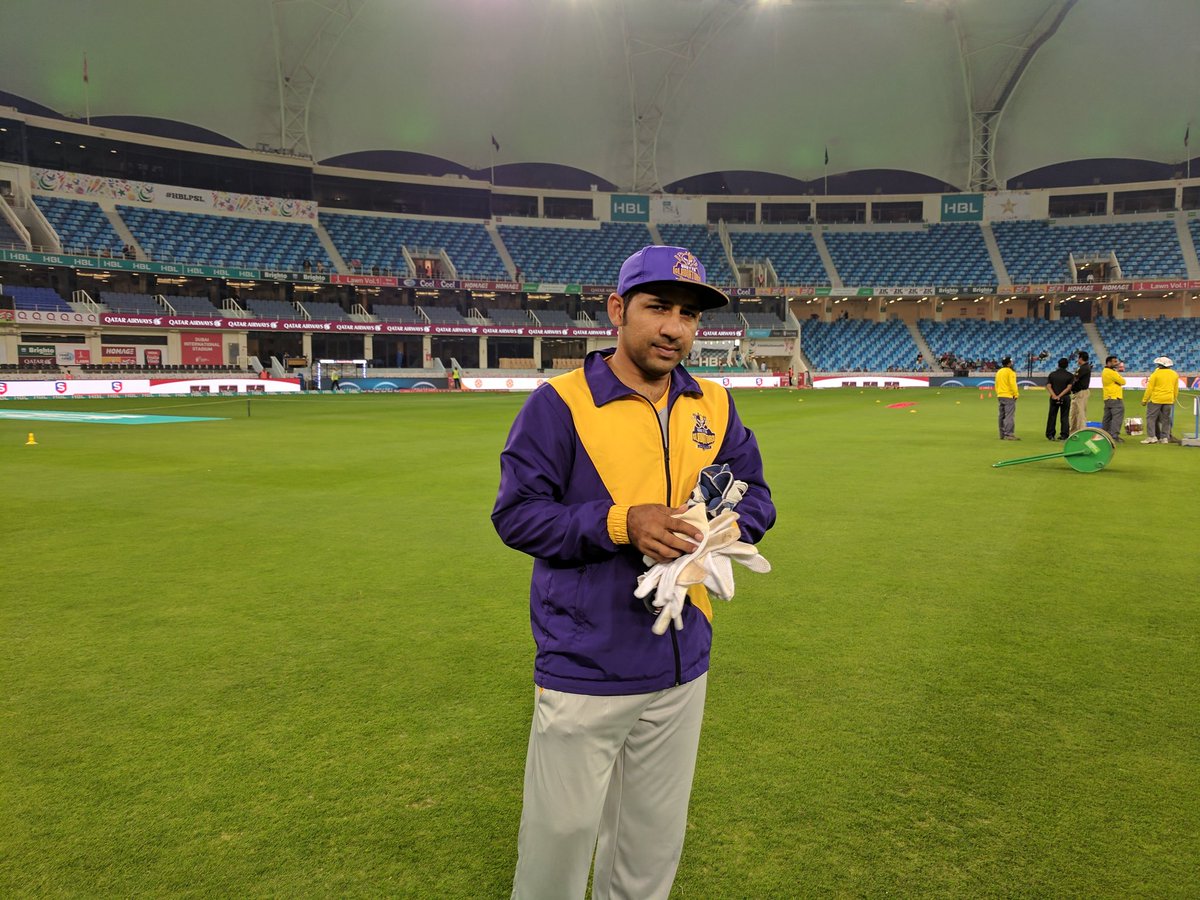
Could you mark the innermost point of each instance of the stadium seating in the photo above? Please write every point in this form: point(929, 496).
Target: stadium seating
point(224, 240)
point(394, 312)
point(943, 254)
point(9, 238)
point(792, 253)
point(721, 318)
point(192, 306)
point(1036, 251)
point(553, 318)
point(579, 255)
point(131, 304)
point(377, 241)
point(444, 315)
point(858, 345)
point(81, 225)
point(324, 311)
point(763, 320)
point(517, 317)
point(1138, 341)
point(973, 339)
point(705, 242)
point(42, 299)
point(272, 309)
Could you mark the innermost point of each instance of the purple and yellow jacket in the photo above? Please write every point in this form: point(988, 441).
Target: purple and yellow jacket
point(583, 449)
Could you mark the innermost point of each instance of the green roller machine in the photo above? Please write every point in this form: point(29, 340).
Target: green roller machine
point(1087, 450)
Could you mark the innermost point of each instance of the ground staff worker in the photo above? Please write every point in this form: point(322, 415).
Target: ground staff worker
point(1006, 399)
point(597, 465)
point(1081, 392)
point(1114, 398)
point(1058, 387)
point(1162, 388)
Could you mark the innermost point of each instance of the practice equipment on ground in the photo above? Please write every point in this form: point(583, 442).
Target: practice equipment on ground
point(1087, 450)
point(1194, 440)
point(345, 368)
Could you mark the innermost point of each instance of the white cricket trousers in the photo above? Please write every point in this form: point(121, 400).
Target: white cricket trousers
point(610, 773)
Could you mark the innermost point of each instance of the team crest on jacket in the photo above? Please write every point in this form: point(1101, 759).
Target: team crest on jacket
point(701, 433)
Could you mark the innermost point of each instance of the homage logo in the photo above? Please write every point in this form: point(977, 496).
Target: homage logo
point(701, 433)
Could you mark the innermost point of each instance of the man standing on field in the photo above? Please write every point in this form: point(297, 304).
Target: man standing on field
point(1114, 398)
point(595, 474)
point(1081, 391)
point(1006, 399)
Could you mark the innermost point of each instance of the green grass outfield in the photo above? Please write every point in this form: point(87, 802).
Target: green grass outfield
point(286, 655)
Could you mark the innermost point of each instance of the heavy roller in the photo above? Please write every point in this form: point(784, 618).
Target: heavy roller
point(1087, 450)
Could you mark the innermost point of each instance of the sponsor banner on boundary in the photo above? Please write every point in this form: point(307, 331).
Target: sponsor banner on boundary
point(530, 382)
point(866, 380)
point(123, 387)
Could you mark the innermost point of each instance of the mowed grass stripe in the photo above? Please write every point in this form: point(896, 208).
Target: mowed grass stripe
point(286, 654)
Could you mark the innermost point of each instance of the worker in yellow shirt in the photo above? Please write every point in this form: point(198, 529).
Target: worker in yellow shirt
point(1162, 387)
point(1114, 398)
point(1006, 397)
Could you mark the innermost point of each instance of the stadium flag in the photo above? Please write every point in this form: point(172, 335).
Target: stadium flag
point(826, 156)
point(495, 143)
point(87, 100)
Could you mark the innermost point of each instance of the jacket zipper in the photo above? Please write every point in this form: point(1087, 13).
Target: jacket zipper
point(663, 430)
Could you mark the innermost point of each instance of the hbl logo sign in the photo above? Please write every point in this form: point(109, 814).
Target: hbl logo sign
point(962, 208)
point(630, 208)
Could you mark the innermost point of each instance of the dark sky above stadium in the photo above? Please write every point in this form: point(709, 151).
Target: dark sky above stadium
point(718, 85)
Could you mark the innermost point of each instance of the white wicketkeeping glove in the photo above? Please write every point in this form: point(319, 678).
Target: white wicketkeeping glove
point(721, 550)
point(667, 579)
point(709, 564)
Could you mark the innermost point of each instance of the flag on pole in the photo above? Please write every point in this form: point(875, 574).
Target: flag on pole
point(1187, 134)
point(85, 77)
point(827, 155)
point(495, 143)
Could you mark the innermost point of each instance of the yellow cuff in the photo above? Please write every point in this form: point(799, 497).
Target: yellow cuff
point(618, 524)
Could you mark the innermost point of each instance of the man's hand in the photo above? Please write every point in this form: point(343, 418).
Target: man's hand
point(655, 530)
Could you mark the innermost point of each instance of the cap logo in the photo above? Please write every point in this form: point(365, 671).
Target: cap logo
point(687, 267)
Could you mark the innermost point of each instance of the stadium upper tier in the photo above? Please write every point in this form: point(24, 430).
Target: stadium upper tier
point(793, 254)
point(587, 255)
point(224, 240)
point(986, 343)
point(1038, 251)
point(380, 241)
point(857, 345)
point(81, 225)
point(1139, 341)
point(935, 255)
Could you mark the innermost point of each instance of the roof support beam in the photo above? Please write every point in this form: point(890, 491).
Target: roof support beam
point(986, 109)
point(299, 64)
point(668, 67)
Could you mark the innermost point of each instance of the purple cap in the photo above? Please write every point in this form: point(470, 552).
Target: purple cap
point(657, 265)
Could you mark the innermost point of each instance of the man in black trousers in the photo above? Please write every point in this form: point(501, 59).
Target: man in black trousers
point(1058, 386)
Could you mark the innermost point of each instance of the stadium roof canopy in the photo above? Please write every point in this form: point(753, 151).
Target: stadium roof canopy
point(630, 94)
